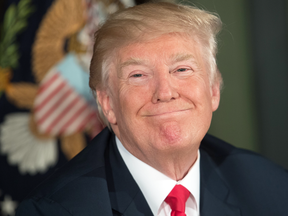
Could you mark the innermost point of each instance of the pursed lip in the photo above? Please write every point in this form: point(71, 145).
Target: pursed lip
point(167, 113)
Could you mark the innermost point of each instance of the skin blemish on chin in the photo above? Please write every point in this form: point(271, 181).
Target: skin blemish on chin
point(170, 131)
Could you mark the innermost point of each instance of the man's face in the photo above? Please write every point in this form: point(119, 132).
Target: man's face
point(159, 99)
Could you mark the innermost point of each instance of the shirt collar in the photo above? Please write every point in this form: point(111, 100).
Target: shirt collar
point(154, 185)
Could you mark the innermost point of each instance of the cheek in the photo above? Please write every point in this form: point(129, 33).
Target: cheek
point(198, 92)
point(133, 98)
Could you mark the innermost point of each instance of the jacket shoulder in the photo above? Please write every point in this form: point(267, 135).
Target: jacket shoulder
point(78, 183)
point(222, 153)
point(256, 184)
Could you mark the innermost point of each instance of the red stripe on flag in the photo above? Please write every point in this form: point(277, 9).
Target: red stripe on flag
point(52, 109)
point(52, 94)
point(48, 83)
point(90, 117)
point(63, 113)
point(76, 115)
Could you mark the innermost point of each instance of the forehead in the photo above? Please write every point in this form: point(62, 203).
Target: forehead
point(168, 47)
point(165, 49)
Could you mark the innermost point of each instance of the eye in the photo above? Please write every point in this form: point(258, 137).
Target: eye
point(182, 69)
point(137, 75)
point(185, 70)
point(139, 78)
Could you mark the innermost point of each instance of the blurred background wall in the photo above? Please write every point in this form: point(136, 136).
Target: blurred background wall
point(253, 59)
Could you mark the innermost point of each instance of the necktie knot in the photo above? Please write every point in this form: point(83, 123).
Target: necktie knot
point(177, 199)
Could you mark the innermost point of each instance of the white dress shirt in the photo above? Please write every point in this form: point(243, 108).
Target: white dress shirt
point(156, 186)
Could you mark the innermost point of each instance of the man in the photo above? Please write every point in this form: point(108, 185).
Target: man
point(157, 84)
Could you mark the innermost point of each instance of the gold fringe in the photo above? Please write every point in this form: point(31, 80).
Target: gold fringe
point(64, 18)
point(5, 76)
point(71, 145)
point(22, 94)
point(75, 45)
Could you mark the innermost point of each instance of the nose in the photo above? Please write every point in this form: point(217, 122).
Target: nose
point(165, 91)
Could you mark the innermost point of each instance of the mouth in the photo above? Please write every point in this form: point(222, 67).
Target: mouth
point(169, 113)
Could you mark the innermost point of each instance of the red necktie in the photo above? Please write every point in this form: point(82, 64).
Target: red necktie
point(177, 199)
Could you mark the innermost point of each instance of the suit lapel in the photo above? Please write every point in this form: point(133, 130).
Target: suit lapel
point(125, 196)
point(214, 195)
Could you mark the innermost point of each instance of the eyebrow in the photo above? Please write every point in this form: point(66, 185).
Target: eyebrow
point(175, 58)
point(182, 57)
point(132, 61)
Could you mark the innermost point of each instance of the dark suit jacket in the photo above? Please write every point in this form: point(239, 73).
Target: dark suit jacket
point(97, 182)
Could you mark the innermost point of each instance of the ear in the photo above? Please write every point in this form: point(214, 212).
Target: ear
point(106, 104)
point(215, 95)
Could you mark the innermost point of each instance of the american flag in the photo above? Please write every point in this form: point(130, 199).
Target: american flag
point(60, 110)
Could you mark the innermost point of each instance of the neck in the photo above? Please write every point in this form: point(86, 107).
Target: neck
point(175, 166)
point(175, 163)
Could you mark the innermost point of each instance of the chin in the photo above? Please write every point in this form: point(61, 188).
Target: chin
point(180, 146)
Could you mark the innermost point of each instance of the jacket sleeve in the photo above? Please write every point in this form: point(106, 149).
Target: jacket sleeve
point(41, 207)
